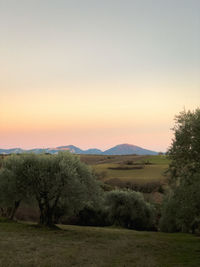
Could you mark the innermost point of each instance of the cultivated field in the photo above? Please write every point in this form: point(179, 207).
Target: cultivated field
point(145, 174)
point(28, 245)
point(140, 169)
point(148, 173)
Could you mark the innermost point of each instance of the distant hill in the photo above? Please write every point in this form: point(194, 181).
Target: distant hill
point(11, 151)
point(93, 151)
point(71, 148)
point(126, 149)
point(123, 149)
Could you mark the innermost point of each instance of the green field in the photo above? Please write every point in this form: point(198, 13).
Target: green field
point(100, 159)
point(28, 245)
point(151, 172)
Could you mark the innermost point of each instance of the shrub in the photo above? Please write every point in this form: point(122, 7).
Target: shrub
point(93, 216)
point(181, 210)
point(128, 209)
point(139, 187)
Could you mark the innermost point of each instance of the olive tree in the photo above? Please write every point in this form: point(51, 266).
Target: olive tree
point(61, 184)
point(129, 209)
point(181, 208)
point(14, 184)
point(184, 151)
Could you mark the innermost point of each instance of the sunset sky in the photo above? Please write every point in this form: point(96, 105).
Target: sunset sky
point(96, 73)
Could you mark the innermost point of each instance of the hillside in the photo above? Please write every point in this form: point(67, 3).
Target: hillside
point(28, 245)
point(127, 149)
point(123, 149)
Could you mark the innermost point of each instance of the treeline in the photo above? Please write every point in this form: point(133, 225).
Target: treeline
point(66, 190)
point(63, 187)
point(181, 208)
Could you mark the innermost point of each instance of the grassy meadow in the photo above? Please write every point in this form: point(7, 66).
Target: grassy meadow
point(141, 173)
point(28, 245)
point(152, 167)
point(149, 173)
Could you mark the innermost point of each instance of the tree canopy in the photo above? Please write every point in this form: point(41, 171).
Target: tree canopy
point(60, 184)
point(129, 209)
point(181, 210)
point(185, 148)
point(14, 184)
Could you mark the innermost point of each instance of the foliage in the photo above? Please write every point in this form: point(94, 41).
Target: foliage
point(92, 215)
point(14, 184)
point(60, 184)
point(181, 211)
point(167, 221)
point(128, 209)
point(149, 187)
point(185, 149)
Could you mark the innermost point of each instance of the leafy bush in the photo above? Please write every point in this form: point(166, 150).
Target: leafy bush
point(149, 187)
point(181, 210)
point(167, 221)
point(93, 216)
point(128, 209)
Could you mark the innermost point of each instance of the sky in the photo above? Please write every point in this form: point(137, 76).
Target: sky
point(96, 73)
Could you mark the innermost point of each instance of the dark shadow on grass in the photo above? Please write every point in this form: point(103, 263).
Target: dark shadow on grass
point(44, 227)
point(6, 220)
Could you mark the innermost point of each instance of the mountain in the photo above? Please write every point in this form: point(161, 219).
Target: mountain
point(126, 149)
point(123, 149)
point(71, 148)
point(36, 150)
point(11, 151)
point(76, 150)
point(93, 151)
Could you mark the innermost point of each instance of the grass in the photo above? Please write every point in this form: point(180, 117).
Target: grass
point(150, 173)
point(28, 245)
point(160, 159)
point(101, 159)
point(117, 171)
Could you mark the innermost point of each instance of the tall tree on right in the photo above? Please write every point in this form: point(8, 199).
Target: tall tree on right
point(181, 210)
point(185, 148)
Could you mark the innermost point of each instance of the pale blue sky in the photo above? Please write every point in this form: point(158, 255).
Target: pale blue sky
point(142, 52)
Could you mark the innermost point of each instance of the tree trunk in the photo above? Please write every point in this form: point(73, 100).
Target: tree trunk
point(46, 215)
point(16, 206)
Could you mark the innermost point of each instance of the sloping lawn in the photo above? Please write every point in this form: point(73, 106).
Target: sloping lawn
point(27, 245)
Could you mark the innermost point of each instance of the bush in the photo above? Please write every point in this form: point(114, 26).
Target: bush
point(128, 209)
point(92, 216)
point(149, 187)
point(167, 221)
point(181, 210)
